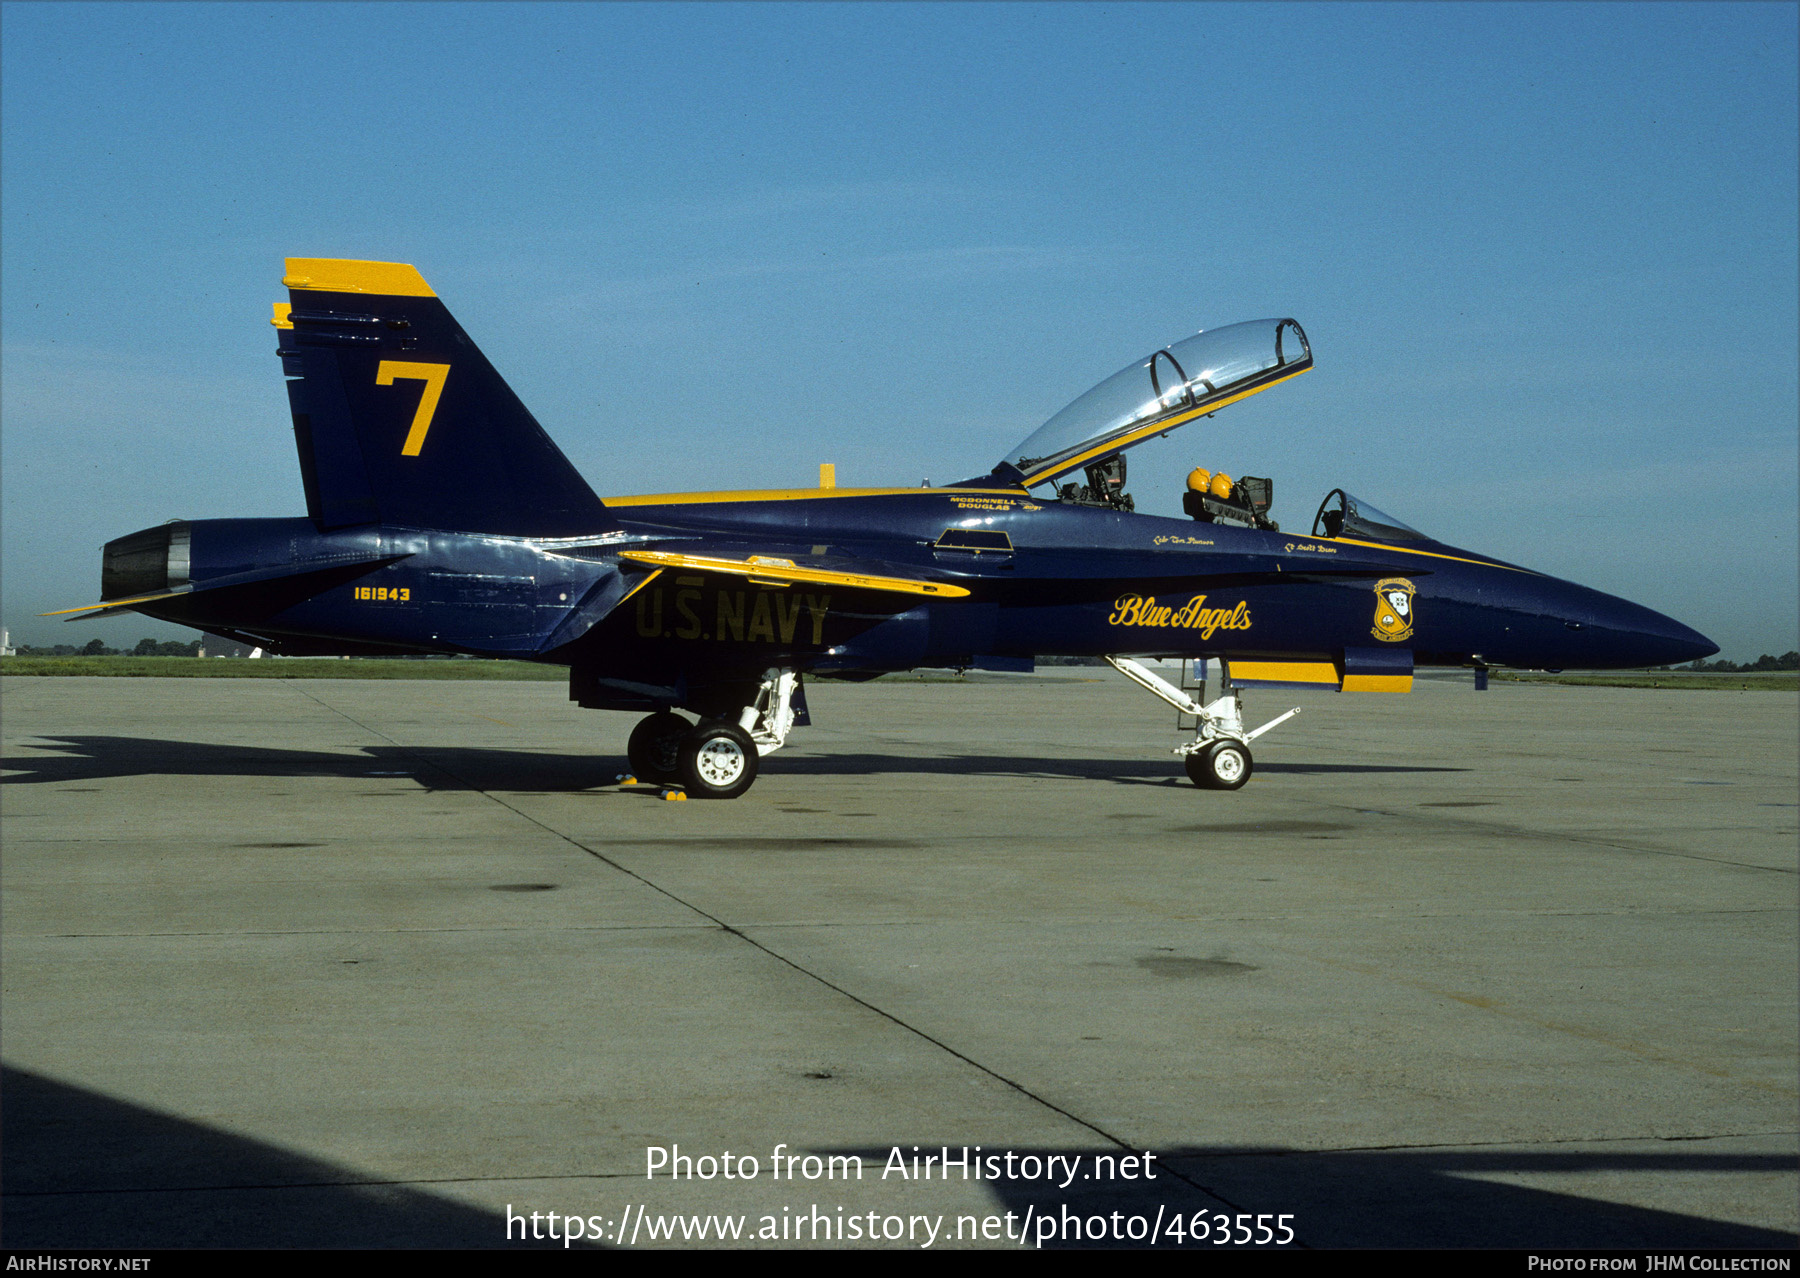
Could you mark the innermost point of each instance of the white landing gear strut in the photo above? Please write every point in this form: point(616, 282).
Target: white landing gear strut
point(770, 717)
point(1218, 758)
point(718, 759)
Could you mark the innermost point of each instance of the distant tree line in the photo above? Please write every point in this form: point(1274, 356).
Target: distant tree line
point(1786, 661)
point(95, 648)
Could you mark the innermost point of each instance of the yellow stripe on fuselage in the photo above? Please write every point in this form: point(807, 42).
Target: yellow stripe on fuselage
point(781, 572)
point(1021, 494)
point(806, 494)
point(1430, 554)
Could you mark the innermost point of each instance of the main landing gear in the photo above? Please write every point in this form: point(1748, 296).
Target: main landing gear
point(1218, 758)
point(717, 759)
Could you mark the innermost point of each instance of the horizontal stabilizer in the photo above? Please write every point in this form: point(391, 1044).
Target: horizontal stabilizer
point(89, 611)
point(304, 580)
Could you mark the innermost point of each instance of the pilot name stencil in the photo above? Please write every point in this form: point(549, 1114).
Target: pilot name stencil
point(1143, 610)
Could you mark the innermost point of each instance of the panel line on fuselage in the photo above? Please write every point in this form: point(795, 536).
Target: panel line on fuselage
point(1020, 494)
point(1434, 554)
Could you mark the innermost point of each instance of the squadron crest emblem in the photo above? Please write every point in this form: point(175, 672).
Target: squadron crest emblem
point(1393, 609)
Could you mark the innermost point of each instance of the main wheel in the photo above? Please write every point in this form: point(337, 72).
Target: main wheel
point(718, 761)
point(655, 747)
point(1223, 765)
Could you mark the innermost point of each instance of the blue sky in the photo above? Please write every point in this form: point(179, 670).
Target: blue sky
point(1546, 255)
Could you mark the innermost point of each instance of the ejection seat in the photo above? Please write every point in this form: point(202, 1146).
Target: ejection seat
point(1214, 498)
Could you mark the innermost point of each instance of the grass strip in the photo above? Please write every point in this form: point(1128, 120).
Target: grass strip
point(1782, 681)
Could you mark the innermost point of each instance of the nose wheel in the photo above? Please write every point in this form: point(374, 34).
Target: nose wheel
point(1218, 758)
point(1223, 765)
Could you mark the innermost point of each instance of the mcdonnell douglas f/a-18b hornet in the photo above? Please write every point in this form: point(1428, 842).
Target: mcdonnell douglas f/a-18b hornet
point(441, 519)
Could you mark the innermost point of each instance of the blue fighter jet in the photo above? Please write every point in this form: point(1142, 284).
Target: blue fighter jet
point(441, 519)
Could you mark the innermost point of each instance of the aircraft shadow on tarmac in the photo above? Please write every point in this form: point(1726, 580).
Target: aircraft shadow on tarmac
point(85, 1170)
point(95, 758)
point(1383, 1198)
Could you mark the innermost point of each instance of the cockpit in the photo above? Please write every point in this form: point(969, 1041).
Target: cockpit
point(1342, 514)
point(1192, 378)
point(1189, 379)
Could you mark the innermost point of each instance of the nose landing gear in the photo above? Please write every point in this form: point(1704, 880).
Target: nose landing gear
point(1218, 758)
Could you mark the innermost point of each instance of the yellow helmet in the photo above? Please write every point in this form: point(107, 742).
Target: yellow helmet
point(1198, 479)
point(1221, 485)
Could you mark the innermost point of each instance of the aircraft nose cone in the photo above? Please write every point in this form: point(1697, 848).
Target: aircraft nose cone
point(1669, 643)
point(1621, 633)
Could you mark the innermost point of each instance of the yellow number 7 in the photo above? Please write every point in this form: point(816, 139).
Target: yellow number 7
point(433, 376)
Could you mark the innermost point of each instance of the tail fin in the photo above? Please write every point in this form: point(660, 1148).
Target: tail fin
point(400, 419)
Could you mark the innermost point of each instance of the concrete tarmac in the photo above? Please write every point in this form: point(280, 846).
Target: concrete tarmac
point(363, 963)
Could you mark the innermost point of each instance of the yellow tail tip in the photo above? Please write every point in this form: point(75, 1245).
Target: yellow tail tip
point(340, 275)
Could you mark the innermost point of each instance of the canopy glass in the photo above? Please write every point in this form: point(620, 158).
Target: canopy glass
point(1344, 514)
point(1193, 377)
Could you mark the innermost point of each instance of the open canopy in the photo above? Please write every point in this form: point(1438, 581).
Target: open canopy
point(1189, 379)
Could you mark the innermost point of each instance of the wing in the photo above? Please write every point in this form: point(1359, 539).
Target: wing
point(767, 570)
